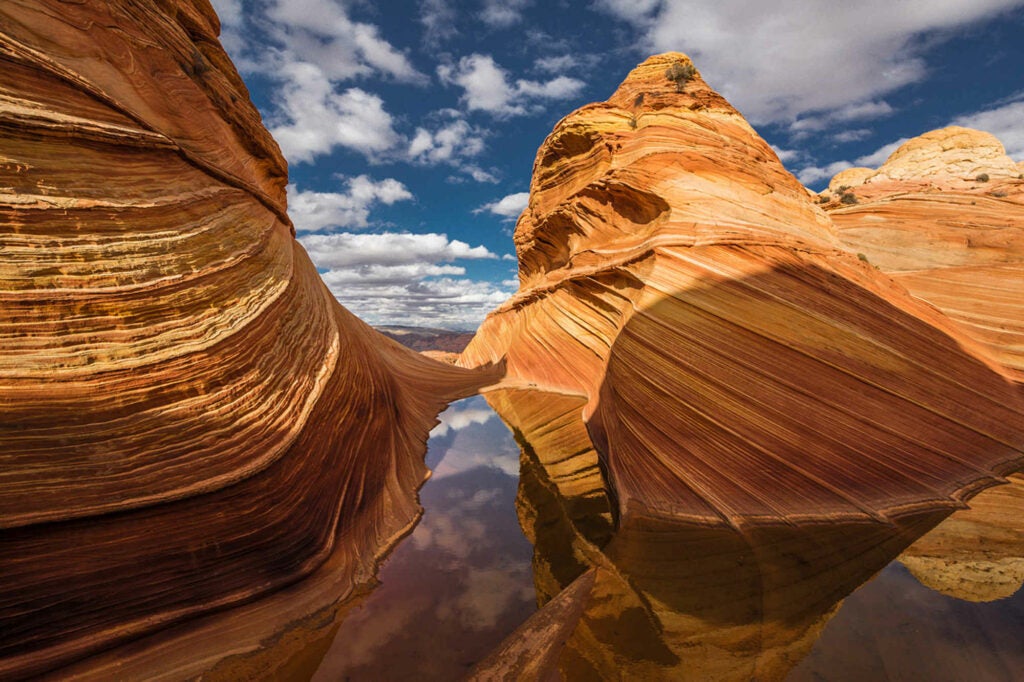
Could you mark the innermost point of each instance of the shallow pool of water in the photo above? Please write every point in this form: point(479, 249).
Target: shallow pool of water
point(462, 581)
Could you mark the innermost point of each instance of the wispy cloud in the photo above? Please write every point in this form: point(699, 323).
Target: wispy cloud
point(438, 19)
point(813, 174)
point(503, 13)
point(854, 135)
point(779, 59)
point(836, 119)
point(1005, 122)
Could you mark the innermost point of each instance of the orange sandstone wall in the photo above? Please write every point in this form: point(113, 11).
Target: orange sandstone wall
point(188, 419)
point(724, 410)
point(944, 216)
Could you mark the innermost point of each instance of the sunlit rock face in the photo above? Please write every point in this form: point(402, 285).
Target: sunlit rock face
point(723, 410)
point(944, 216)
point(976, 554)
point(188, 419)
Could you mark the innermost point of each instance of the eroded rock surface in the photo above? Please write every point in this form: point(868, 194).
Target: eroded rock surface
point(944, 216)
point(976, 554)
point(723, 410)
point(188, 419)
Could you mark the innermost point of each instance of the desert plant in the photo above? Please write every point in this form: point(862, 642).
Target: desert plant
point(982, 177)
point(862, 257)
point(848, 198)
point(680, 73)
point(822, 199)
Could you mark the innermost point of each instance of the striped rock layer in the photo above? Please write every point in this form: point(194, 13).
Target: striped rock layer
point(976, 554)
point(730, 415)
point(944, 217)
point(188, 419)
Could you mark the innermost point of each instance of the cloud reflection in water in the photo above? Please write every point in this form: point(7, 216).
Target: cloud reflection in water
point(462, 581)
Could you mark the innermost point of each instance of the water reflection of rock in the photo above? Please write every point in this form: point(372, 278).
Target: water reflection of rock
point(729, 421)
point(667, 601)
point(894, 628)
point(960, 619)
point(671, 601)
point(462, 580)
point(978, 553)
point(465, 570)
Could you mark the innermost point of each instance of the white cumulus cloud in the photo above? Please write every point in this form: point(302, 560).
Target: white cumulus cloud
point(321, 32)
point(1005, 122)
point(405, 279)
point(452, 140)
point(312, 211)
point(313, 118)
point(488, 87)
point(446, 302)
point(460, 416)
point(391, 249)
point(509, 206)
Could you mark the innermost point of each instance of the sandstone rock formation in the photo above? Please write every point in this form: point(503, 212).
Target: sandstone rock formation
point(976, 554)
point(944, 216)
point(724, 409)
point(188, 419)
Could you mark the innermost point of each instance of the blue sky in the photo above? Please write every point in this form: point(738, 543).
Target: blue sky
point(411, 127)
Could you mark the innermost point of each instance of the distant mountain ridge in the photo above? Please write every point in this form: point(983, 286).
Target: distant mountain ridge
point(428, 338)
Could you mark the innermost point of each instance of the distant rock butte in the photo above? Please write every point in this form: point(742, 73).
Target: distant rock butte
point(700, 367)
point(189, 419)
point(944, 216)
point(948, 157)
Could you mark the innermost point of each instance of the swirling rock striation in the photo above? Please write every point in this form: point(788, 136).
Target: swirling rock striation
point(944, 216)
point(188, 419)
point(734, 418)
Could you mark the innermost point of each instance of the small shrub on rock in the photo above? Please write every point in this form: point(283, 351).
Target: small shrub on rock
point(680, 73)
point(983, 177)
point(848, 198)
